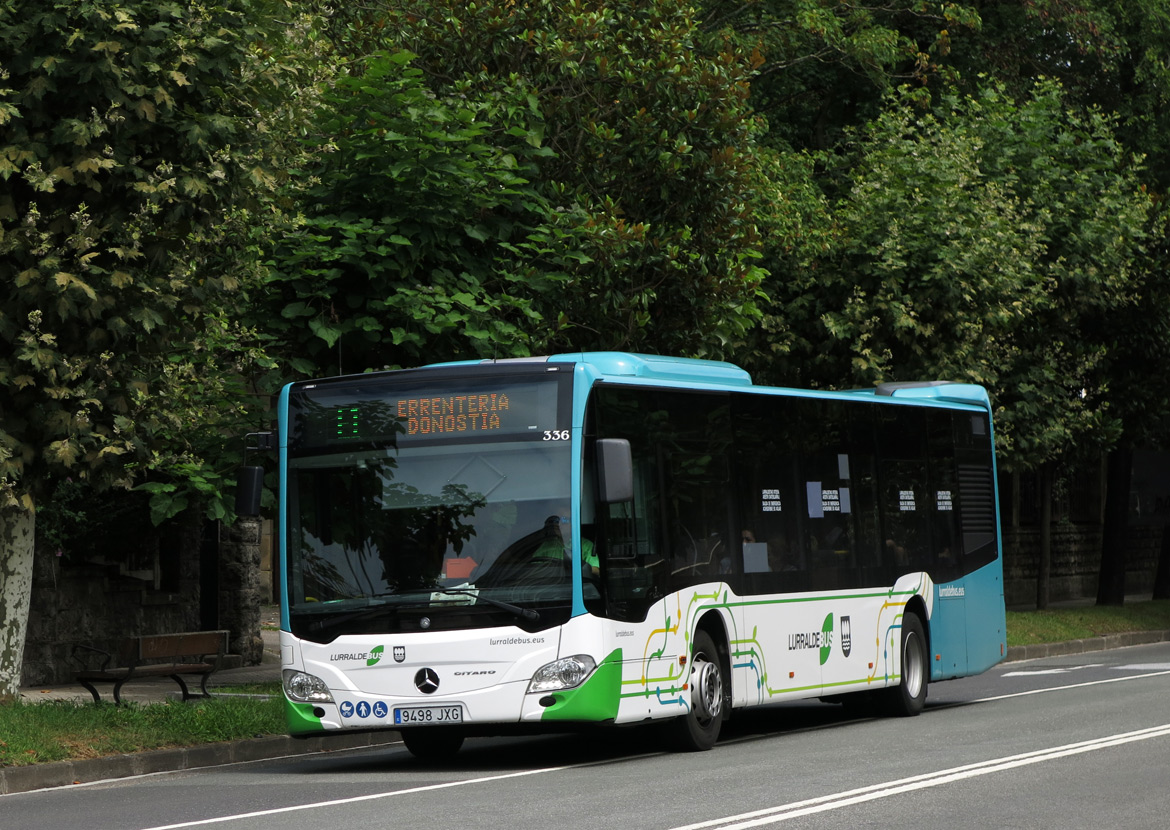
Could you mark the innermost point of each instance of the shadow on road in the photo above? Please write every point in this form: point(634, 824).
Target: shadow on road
point(499, 755)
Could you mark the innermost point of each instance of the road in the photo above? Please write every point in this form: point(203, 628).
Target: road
point(1069, 742)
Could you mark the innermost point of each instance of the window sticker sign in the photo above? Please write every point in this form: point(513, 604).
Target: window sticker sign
point(822, 500)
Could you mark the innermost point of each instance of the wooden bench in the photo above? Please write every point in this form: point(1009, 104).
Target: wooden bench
point(157, 655)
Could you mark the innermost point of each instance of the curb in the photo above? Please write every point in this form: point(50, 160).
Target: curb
point(1103, 643)
point(65, 773)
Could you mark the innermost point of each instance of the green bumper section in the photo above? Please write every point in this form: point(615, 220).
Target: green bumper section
point(596, 699)
point(300, 717)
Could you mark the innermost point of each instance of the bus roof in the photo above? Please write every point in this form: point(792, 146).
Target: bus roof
point(628, 364)
point(694, 370)
point(936, 390)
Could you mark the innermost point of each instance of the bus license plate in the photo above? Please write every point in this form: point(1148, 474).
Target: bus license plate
point(429, 714)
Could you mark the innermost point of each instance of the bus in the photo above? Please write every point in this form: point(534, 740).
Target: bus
point(489, 547)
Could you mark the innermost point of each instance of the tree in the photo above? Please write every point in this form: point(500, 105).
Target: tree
point(983, 240)
point(1139, 350)
point(127, 129)
point(1114, 56)
point(1109, 54)
point(416, 218)
point(648, 179)
point(825, 66)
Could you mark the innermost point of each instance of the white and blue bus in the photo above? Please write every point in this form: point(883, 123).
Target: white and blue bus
point(608, 538)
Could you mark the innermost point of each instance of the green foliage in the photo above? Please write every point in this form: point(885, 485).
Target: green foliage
point(824, 66)
point(636, 141)
point(983, 241)
point(416, 209)
point(1111, 54)
point(128, 129)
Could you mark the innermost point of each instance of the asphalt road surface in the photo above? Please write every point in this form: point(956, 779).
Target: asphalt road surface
point(1067, 742)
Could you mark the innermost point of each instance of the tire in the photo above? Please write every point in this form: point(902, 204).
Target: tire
point(909, 697)
point(698, 729)
point(432, 743)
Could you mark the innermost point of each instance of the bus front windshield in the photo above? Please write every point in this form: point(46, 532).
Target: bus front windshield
point(435, 537)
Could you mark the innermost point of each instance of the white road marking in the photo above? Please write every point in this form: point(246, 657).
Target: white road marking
point(1031, 672)
point(1071, 686)
point(774, 815)
point(371, 797)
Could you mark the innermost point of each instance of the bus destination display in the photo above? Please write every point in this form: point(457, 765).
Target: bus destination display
point(503, 410)
point(455, 413)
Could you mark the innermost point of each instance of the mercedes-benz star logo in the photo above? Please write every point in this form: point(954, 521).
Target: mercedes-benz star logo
point(427, 681)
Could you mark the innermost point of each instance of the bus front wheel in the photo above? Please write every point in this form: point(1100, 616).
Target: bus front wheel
point(909, 697)
point(698, 729)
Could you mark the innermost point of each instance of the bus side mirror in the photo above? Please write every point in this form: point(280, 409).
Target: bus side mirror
point(615, 470)
point(250, 480)
point(249, 486)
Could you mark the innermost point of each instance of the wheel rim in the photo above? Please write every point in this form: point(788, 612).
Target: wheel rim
point(706, 689)
point(912, 665)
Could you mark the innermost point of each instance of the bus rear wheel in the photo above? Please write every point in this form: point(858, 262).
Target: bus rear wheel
point(909, 697)
point(698, 729)
point(432, 743)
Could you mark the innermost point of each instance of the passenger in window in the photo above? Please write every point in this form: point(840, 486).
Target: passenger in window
point(897, 553)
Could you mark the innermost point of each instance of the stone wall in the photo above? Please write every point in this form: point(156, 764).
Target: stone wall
point(98, 605)
point(94, 605)
point(1076, 560)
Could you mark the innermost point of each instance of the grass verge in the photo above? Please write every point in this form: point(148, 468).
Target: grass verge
point(1058, 625)
point(33, 733)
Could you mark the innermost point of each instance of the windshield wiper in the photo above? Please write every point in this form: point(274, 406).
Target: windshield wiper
point(393, 607)
point(523, 613)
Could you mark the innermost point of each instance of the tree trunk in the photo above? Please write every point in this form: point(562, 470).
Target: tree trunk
point(1114, 538)
point(1162, 579)
point(17, 526)
point(1044, 568)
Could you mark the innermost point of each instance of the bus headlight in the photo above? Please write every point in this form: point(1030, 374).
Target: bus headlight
point(562, 674)
point(305, 688)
